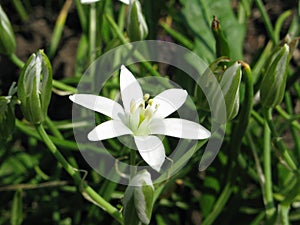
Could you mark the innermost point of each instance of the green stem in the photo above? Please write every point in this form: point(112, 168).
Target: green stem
point(56, 84)
point(59, 27)
point(178, 36)
point(53, 128)
point(287, 116)
point(266, 20)
point(85, 189)
point(92, 33)
point(66, 144)
point(122, 38)
point(61, 86)
point(81, 15)
point(277, 140)
point(268, 193)
point(219, 205)
point(234, 145)
point(21, 10)
point(16, 60)
point(284, 214)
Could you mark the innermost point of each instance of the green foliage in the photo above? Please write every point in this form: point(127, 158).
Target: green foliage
point(254, 179)
point(198, 16)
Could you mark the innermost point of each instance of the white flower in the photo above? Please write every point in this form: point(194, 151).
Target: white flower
point(142, 118)
point(91, 1)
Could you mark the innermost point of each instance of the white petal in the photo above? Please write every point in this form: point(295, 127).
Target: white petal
point(107, 130)
point(130, 88)
point(180, 128)
point(169, 101)
point(88, 1)
point(125, 1)
point(151, 150)
point(99, 104)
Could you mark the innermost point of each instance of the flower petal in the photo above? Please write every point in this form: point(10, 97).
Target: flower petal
point(107, 130)
point(99, 104)
point(125, 1)
point(152, 150)
point(130, 88)
point(180, 128)
point(88, 1)
point(169, 101)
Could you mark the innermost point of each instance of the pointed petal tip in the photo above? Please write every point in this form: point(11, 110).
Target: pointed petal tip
point(92, 136)
point(72, 98)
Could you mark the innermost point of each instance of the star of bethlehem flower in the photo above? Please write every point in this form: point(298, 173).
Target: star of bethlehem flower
point(142, 117)
point(91, 1)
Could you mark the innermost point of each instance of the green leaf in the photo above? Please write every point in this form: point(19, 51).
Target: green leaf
point(198, 15)
point(16, 210)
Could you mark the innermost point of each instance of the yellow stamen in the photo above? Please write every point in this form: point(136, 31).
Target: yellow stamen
point(146, 97)
point(150, 102)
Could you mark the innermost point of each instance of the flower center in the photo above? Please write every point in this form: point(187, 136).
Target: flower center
point(141, 114)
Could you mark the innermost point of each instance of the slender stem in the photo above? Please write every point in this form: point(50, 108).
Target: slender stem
point(57, 84)
point(234, 145)
point(268, 193)
point(284, 214)
point(219, 205)
point(86, 190)
point(53, 128)
point(81, 15)
point(21, 10)
point(16, 60)
point(278, 142)
point(122, 38)
point(92, 33)
point(266, 20)
point(62, 86)
point(58, 29)
point(178, 36)
point(287, 116)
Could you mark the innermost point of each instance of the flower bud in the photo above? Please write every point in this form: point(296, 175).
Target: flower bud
point(222, 46)
point(35, 87)
point(7, 37)
point(229, 82)
point(274, 80)
point(138, 199)
point(136, 25)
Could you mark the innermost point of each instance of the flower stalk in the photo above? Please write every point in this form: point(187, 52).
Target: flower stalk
point(85, 189)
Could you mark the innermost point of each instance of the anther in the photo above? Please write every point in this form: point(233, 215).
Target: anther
point(146, 97)
point(150, 102)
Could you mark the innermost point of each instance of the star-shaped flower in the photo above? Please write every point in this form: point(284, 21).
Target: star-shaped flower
point(142, 117)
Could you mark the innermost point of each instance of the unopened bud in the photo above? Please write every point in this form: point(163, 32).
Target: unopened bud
point(136, 25)
point(7, 37)
point(273, 84)
point(35, 87)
